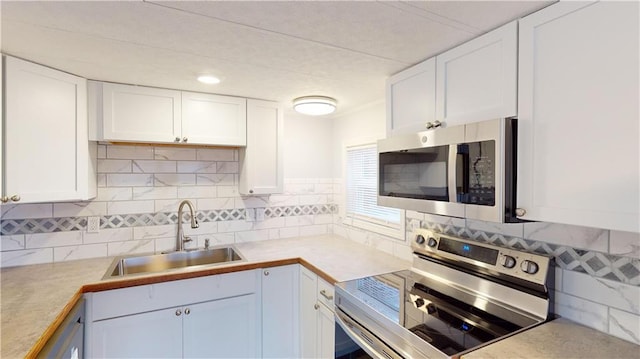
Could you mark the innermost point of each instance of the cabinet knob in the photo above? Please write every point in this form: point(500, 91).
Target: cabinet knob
point(178, 312)
point(184, 139)
point(316, 306)
point(250, 191)
point(187, 311)
point(177, 139)
point(4, 199)
point(520, 212)
point(428, 125)
point(437, 124)
point(15, 198)
point(266, 273)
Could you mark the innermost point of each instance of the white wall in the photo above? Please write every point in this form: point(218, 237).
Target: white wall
point(307, 146)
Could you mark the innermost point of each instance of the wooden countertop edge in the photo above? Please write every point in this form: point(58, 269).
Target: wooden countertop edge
point(160, 278)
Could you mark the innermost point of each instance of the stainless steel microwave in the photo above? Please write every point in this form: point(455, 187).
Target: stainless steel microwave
point(465, 171)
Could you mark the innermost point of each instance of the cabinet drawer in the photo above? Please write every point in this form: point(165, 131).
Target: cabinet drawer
point(326, 293)
point(144, 298)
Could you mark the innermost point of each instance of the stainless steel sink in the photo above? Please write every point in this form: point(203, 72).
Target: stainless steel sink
point(123, 266)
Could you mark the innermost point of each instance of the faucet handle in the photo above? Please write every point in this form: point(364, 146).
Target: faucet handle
point(206, 243)
point(186, 239)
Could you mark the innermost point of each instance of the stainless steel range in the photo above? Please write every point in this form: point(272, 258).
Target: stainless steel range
point(459, 295)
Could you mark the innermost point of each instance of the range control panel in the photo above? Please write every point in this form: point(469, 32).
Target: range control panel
point(524, 265)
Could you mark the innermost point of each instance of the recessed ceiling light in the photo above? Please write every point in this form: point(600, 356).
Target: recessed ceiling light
point(314, 105)
point(208, 79)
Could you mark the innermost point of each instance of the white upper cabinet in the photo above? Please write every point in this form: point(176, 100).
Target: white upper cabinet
point(411, 99)
point(45, 135)
point(129, 113)
point(578, 115)
point(214, 119)
point(478, 80)
point(261, 168)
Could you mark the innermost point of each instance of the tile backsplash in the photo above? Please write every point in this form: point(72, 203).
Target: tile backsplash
point(140, 187)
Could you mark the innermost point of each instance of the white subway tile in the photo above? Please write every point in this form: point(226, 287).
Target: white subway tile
point(150, 232)
point(278, 200)
point(414, 215)
point(114, 194)
point(323, 219)
point(26, 257)
point(177, 179)
point(101, 180)
point(79, 209)
point(313, 199)
point(287, 232)
point(299, 188)
point(324, 188)
point(234, 226)
point(166, 244)
point(131, 247)
point(54, 239)
point(306, 220)
point(167, 205)
point(447, 221)
point(507, 229)
point(568, 235)
point(228, 191)
point(130, 152)
point(114, 166)
point(217, 239)
point(130, 207)
point(204, 228)
point(24, 211)
point(614, 294)
point(176, 154)
point(582, 311)
point(227, 167)
point(277, 222)
point(129, 180)
point(102, 151)
point(61, 254)
point(197, 192)
point(313, 230)
point(108, 235)
point(252, 202)
point(624, 244)
point(214, 154)
point(140, 193)
point(218, 179)
point(12, 243)
point(197, 167)
point(154, 166)
point(624, 325)
point(251, 236)
point(215, 203)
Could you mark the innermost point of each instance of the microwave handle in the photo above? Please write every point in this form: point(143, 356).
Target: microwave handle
point(451, 176)
point(462, 171)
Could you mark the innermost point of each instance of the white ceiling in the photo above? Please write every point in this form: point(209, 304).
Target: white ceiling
point(274, 50)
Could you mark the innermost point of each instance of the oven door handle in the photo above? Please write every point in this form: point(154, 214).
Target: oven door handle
point(367, 341)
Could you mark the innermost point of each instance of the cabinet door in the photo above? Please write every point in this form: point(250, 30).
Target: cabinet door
point(141, 114)
point(308, 313)
point(478, 80)
point(45, 134)
point(214, 120)
point(225, 328)
point(578, 123)
point(261, 169)
point(156, 334)
point(411, 99)
point(326, 332)
point(280, 305)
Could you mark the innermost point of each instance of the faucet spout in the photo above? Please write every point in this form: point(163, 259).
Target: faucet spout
point(181, 239)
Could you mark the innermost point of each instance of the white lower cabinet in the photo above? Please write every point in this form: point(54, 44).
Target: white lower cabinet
point(280, 328)
point(317, 329)
point(214, 317)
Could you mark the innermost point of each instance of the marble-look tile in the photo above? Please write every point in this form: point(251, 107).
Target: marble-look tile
point(218, 179)
point(228, 191)
point(313, 230)
point(102, 151)
point(148, 232)
point(130, 247)
point(624, 244)
point(306, 220)
point(214, 203)
point(174, 153)
point(129, 180)
point(24, 211)
point(234, 226)
point(168, 205)
point(624, 325)
point(12, 243)
point(55, 239)
point(166, 244)
point(299, 188)
point(108, 235)
point(153, 166)
point(129, 207)
point(197, 167)
point(204, 228)
point(227, 167)
point(251, 236)
point(507, 229)
point(414, 215)
point(323, 219)
point(211, 154)
point(114, 166)
point(142, 193)
point(26, 257)
point(68, 253)
point(278, 200)
point(276, 222)
point(448, 221)
point(582, 311)
point(114, 194)
point(197, 192)
point(129, 152)
point(252, 202)
point(101, 180)
point(216, 239)
point(286, 232)
point(174, 179)
point(568, 235)
point(614, 294)
point(79, 209)
point(312, 199)
point(324, 188)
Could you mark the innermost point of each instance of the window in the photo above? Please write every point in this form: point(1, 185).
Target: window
point(361, 177)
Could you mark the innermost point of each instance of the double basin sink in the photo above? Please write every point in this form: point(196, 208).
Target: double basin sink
point(129, 265)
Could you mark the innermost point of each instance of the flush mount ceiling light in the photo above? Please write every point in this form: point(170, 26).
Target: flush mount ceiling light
point(208, 79)
point(314, 105)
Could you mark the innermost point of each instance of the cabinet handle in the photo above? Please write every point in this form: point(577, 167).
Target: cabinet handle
point(520, 212)
point(324, 294)
point(178, 312)
point(316, 306)
point(4, 199)
point(177, 139)
point(15, 198)
point(266, 273)
point(184, 139)
point(187, 311)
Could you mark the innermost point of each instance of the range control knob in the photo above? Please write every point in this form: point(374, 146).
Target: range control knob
point(432, 242)
point(431, 308)
point(529, 267)
point(419, 302)
point(420, 239)
point(508, 261)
